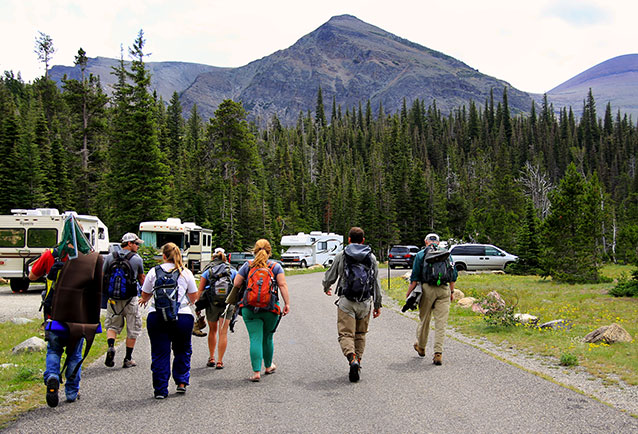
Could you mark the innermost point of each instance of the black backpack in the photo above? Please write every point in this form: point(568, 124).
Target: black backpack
point(437, 269)
point(358, 278)
point(119, 278)
point(166, 294)
point(219, 284)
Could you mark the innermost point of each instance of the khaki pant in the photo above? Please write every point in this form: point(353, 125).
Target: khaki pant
point(352, 326)
point(434, 299)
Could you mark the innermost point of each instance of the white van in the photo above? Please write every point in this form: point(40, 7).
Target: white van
point(305, 250)
point(473, 257)
point(26, 233)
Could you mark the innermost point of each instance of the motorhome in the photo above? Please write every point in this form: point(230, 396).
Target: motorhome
point(305, 250)
point(194, 241)
point(26, 233)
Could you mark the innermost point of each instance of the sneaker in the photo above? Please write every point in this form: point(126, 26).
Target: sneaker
point(159, 395)
point(110, 355)
point(181, 388)
point(438, 359)
point(53, 384)
point(128, 363)
point(354, 371)
point(419, 350)
point(77, 398)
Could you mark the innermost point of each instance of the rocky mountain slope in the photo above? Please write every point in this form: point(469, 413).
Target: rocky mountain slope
point(351, 60)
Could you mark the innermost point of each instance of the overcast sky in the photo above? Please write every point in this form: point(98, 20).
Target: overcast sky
point(534, 45)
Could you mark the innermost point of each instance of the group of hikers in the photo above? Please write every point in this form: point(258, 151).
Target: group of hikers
point(80, 280)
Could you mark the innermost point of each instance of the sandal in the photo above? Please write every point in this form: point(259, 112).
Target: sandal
point(211, 363)
point(219, 365)
point(255, 378)
point(270, 370)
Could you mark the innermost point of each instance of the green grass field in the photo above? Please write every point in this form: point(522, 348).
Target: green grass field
point(588, 307)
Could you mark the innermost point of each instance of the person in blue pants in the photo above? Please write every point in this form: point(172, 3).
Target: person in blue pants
point(167, 337)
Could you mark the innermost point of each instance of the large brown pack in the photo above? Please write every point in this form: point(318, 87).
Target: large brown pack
point(77, 299)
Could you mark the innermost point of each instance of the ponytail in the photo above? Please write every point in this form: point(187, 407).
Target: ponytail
point(262, 252)
point(219, 255)
point(173, 254)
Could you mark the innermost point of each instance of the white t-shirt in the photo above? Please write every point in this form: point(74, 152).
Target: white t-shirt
point(185, 283)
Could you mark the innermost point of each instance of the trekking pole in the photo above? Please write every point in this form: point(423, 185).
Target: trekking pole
point(388, 256)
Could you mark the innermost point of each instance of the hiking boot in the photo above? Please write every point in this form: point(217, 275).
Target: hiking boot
point(419, 350)
point(128, 363)
point(110, 355)
point(438, 359)
point(53, 384)
point(69, 399)
point(354, 370)
point(199, 333)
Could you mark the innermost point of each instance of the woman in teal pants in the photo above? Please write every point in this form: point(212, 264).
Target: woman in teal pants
point(261, 323)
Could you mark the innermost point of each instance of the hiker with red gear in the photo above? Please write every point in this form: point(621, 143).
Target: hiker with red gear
point(72, 311)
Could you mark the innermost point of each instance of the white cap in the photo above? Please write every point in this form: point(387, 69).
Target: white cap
point(132, 238)
point(432, 237)
point(219, 250)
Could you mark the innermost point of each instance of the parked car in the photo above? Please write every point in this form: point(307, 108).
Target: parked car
point(237, 259)
point(402, 256)
point(474, 257)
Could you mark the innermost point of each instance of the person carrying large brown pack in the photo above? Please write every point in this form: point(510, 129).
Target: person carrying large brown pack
point(75, 313)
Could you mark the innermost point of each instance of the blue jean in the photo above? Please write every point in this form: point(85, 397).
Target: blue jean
point(165, 337)
point(55, 348)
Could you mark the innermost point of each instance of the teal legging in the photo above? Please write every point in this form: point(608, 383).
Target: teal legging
point(260, 328)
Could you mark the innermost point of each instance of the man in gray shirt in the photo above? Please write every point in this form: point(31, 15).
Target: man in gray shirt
point(124, 307)
point(359, 291)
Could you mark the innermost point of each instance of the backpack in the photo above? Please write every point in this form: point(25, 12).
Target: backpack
point(358, 278)
point(119, 278)
point(219, 284)
point(76, 302)
point(165, 294)
point(261, 293)
point(52, 276)
point(437, 269)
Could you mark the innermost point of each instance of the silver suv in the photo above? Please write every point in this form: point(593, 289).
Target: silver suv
point(474, 257)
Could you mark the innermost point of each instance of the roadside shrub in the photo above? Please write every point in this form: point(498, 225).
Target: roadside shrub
point(626, 287)
point(568, 359)
point(149, 255)
point(497, 312)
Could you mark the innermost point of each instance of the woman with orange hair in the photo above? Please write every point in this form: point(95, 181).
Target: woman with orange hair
point(261, 320)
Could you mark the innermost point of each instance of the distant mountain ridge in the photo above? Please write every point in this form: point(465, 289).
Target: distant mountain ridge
point(614, 81)
point(355, 62)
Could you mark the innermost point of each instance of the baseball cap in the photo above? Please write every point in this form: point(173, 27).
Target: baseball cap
point(219, 250)
point(131, 237)
point(432, 237)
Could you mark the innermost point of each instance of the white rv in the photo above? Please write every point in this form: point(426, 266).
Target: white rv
point(305, 250)
point(26, 233)
point(194, 241)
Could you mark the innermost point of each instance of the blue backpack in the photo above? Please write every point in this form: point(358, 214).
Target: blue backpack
point(359, 280)
point(119, 278)
point(165, 294)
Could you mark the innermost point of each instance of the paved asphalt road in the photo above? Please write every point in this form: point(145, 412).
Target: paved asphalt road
point(310, 392)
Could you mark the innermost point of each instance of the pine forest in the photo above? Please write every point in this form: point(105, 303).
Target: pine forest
point(560, 192)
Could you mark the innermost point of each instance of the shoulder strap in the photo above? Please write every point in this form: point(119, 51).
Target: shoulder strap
point(129, 255)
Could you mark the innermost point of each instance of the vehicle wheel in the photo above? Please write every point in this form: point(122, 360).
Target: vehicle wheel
point(19, 285)
point(304, 264)
point(460, 266)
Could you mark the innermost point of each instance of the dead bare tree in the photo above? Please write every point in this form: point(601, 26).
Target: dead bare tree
point(537, 186)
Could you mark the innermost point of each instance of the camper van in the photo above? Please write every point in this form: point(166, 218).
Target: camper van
point(305, 250)
point(194, 241)
point(26, 233)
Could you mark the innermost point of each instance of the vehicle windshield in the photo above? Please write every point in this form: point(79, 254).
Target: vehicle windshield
point(399, 250)
point(299, 250)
